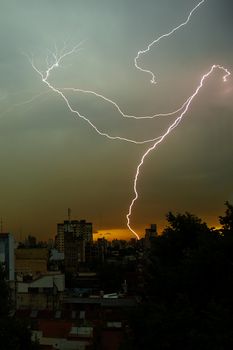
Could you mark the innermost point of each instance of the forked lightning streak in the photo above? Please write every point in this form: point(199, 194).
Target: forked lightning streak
point(56, 60)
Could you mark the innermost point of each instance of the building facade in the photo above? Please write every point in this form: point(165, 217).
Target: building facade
point(74, 252)
point(150, 234)
point(43, 292)
point(7, 258)
point(31, 261)
point(78, 228)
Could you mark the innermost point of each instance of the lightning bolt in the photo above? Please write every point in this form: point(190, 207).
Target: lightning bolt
point(171, 127)
point(45, 76)
point(20, 104)
point(54, 60)
point(156, 41)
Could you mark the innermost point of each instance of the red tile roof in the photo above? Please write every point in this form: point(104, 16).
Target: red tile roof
point(55, 328)
point(111, 339)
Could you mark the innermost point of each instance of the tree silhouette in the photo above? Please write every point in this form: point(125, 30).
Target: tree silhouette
point(189, 287)
point(227, 220)
point(14, 333)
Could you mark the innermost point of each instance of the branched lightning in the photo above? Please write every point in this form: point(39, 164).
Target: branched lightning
point(156, 41)
point(120, 110)
point(171, 127)
point(45, 76)
point(20, 104)
point(54, 60)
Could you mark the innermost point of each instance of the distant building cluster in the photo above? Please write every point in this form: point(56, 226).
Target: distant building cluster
point(75, 291)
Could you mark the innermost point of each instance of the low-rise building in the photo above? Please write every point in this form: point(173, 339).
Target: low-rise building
point(31, 261)
point(56, 260)
point(63, 335)
point(44, 292)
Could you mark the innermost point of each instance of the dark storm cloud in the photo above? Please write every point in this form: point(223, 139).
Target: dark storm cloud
point(50, 161)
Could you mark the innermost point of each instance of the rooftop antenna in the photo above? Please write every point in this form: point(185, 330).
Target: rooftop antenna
point(69, 214)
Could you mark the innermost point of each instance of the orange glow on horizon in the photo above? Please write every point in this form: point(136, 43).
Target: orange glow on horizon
point(116, 233)
point(125, 234)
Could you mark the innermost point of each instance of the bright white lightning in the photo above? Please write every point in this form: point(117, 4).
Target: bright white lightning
point(57, 58)
point(171, 127)
point(156, 41)
point(120, 110)
point(45, 76)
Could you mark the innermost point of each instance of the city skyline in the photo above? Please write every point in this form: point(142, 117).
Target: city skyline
point(50, 161)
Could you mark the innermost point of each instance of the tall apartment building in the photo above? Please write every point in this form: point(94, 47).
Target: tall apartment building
point(59, 238)
point(78, 228)
point(7, 258)
point(74, 252)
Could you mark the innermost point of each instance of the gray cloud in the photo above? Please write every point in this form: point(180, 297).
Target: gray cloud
point(50, 161)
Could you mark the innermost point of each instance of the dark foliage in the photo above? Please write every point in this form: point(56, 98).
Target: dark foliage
point(227, 220)
point(14, 333)
point(189, 287)
point(4, 296)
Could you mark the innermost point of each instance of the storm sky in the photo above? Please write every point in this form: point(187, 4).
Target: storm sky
point(51, 161)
